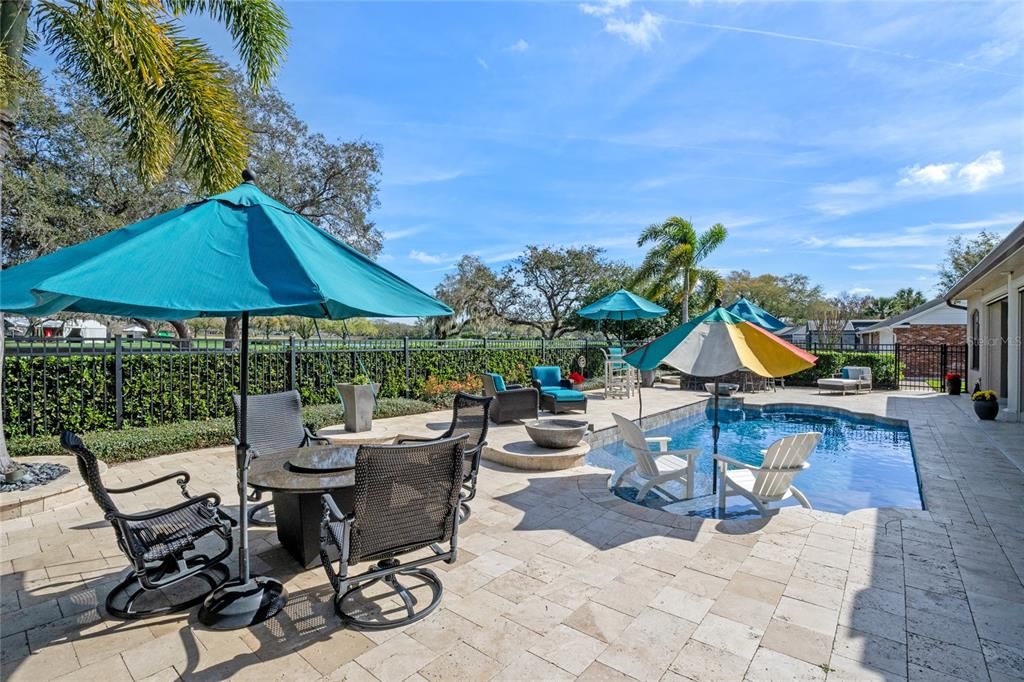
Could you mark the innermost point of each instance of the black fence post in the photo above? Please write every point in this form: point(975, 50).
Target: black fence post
point(118, 382)
point(944, 362)
point(405, 355)
point(487, 357)
point(543, 352)
point(896, 371)
point(586, 356)
point(292, 357)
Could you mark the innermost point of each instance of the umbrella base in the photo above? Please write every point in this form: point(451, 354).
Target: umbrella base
point(236, 605)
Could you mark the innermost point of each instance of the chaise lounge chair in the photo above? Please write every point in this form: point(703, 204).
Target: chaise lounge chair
point(654, 468)
point(772, 481)
point(849, 379)
point(556, 393)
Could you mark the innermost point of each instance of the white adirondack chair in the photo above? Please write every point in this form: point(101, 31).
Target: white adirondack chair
point(653, 468)
point(772, 481)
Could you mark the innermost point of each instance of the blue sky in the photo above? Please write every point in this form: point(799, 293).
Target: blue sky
point(845, 141)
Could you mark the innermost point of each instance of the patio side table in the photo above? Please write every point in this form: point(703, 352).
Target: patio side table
point(298, 478)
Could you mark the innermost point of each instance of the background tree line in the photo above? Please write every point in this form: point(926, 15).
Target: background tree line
point(69, 176)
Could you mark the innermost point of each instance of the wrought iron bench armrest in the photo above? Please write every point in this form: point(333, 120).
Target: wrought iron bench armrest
point(182, 476)
point(402, 440)
point(150, 515)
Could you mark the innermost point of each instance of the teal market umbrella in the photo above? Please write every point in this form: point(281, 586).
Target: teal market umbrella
point(751, 312)
point(623, 305)
point(236, 253)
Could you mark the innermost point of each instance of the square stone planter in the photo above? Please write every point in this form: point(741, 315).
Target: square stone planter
point(359, 401)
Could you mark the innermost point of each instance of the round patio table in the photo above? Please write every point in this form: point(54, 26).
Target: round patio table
point(297, 478)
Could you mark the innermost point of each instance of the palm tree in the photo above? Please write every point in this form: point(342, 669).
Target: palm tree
point(674, 260)
point(166, 91)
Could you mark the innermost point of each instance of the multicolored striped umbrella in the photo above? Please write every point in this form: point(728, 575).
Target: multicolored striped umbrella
point(719, 342)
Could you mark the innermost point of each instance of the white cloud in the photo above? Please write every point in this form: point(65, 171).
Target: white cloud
point(978, 172)
point(860, 291)
point(995, 52)
point(864, 267)
point(483, 64)
point(519, 46)
point(604, 8)
point(641, 33)
point(971, 176)
point(426, 258)
point(932, 174)
point(390, 235)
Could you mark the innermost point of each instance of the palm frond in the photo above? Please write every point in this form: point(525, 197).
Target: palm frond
point(92, 45)
point(710, 240)
point(199, 102)
point(258, 27)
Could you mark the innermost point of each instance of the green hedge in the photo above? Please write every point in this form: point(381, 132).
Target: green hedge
point(47, 394)
point(141, 442)
point(884, 372)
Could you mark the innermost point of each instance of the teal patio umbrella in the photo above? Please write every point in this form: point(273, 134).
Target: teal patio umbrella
point(236, 253)
point(623, 305)
point(751, 312)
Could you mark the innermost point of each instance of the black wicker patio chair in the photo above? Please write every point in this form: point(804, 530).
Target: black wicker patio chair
point(406, 499)
point(469, 416)
point(274, 424)
point(160, 544)
point(511, 401)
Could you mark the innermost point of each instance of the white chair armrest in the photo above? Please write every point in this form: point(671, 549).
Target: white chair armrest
point(685, 454)
point(735, 462)
point(661, 441)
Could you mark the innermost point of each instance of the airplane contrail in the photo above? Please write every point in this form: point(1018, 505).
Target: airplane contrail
point(839, 44)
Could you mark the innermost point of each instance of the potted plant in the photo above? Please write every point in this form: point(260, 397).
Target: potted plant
point(577, 380)
point(953, 383)
point(986, 404)
point(359, 397)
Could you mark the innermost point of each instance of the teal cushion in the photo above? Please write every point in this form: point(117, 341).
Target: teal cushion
point(564, 395)
point(845, 373)
point(499, 381)
point(547, 375)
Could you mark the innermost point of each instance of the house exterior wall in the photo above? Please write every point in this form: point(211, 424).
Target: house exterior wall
point(1010, 289)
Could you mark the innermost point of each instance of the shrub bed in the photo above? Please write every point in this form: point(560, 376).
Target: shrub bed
point(884, 372)
point(47, 394)
point(134, 443)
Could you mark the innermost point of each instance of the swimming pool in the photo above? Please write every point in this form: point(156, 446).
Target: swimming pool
point(859, 463)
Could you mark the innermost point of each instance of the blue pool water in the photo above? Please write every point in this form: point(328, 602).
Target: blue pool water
point(859, 462)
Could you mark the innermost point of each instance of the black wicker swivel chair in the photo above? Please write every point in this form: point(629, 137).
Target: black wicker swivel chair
point(160, 544)
point(469, 416)
point(406, 498)
point(275, 424)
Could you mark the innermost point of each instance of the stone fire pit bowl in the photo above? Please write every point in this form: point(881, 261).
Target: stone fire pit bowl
point(557, 434)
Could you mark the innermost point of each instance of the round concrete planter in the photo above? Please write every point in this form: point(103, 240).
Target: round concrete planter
point(557, 434)
point(986, 409)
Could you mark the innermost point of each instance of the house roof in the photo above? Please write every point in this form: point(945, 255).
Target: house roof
point(905, 315)
point(1013, 243)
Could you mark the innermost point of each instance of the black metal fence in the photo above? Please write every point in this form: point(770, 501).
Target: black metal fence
point(919, 367)
point(87, 384)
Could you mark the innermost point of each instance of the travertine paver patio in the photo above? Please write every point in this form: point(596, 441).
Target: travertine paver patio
point(559, 579)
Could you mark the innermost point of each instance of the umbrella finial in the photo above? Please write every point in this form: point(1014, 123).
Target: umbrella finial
point(718, 303)
point(248, 176)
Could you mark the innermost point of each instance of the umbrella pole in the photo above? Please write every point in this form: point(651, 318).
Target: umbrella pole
point(714, 437)
point(247, 599)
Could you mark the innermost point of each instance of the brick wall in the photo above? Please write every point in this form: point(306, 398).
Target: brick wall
point(932, 334)
point(926, 362)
